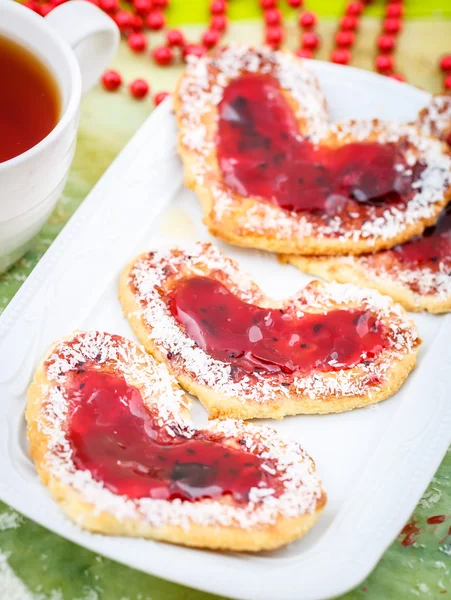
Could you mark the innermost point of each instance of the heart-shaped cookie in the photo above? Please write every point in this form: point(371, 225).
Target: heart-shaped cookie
point(270, 172)
point(109, 432)
point(328, 349)
point(417, 274)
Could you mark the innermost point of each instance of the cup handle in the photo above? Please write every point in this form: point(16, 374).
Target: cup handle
point(93, 36)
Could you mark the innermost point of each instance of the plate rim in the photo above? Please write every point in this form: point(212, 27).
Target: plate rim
point(343, 578)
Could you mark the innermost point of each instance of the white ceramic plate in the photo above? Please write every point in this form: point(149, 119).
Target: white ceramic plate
point(375, 463)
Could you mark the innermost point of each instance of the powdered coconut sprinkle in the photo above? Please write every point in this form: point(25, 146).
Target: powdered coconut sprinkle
point(153, 272)
point(422, 281)
point(435, 119)
point(301, 487)
point(202, 89)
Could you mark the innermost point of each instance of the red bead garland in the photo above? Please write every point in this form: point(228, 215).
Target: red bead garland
point(210, 38)
point(175, 37)
point(310, 40)
point(133, 17)
point(111, 80)
point(219, 23)
point(346, 34)
point(445, 66)
point(272, 16)
point(139, 88)
point(163, 55)
point(341, 56)
point(445, 63)
point(307, 19)
point(137, 42)
point(159, 97)
point(386, 42)
point(156, 20)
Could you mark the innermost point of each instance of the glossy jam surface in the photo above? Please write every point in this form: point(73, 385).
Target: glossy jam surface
point(269, 340)
point(262, 154)
point(116, 438)
point(430, 248)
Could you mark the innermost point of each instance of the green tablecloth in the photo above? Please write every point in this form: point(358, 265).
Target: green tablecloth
point(36, 564)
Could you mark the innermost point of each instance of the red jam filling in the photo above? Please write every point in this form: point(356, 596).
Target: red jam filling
point(262, 154)
point(116, 438)
point(258, 339)
point(430, 248)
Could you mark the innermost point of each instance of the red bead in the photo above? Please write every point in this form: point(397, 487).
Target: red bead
point(137, 42)
point(384, 63)
point(341, 56)
point(137, 23)
point(355, 8)
point(109, 6)
point(397, 77)
point(274, 36)
point(156, 21)
point(307, 19)
point(392, 25)
point(295, 3)
point(349, 23)
point(394, 10)
point(304, 53)
point(111, 80)
point(447, 82)
point(445, 63)
point(139, 88)
point(268, 4)
point(218, 22)
point(95, 2)
point(386, 42)
point(159, 97)
point(175, 37)
point(218, 7)
point(143, 7)
point(45, 9)
point(345, 39)
point(32, 5)
point(160, 3)
point(310, 40)
point(123, 19)
point(162, 55)
point(194, 50)
point(210, 38)
point(272, 16)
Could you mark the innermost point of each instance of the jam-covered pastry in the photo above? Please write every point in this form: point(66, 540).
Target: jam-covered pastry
point(417, 274)
point(272, 173)
point(110, 435)
point(435, 118)
point(330, 348)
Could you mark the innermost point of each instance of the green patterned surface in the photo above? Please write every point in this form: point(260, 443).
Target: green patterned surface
point(38, 565)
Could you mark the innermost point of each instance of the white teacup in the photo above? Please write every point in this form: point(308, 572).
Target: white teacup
point(76, 41)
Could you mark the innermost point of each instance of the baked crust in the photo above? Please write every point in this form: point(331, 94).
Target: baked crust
point(268, 520)
point(435, 118)
point(416, 289)
point(257, 223)
point(144, 288)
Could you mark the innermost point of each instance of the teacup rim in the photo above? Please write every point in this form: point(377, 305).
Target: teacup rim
point(74, 74)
